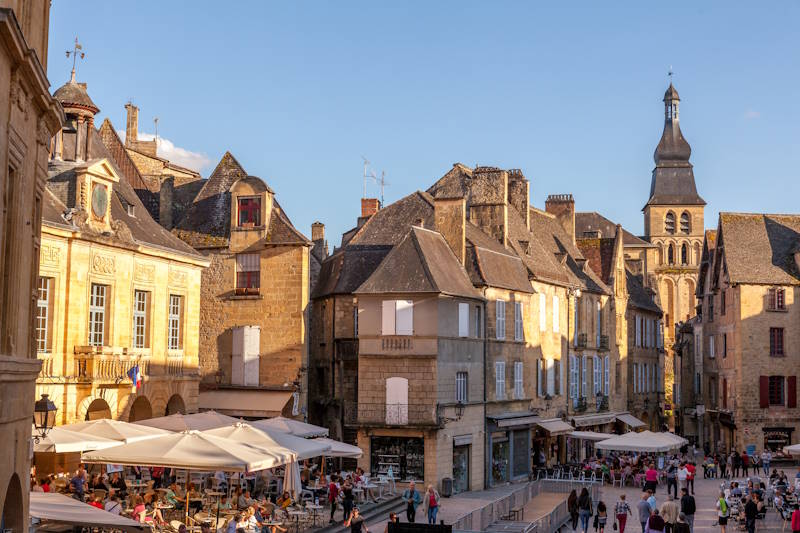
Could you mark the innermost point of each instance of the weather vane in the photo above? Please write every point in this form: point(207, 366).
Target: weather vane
point(74, 53)
point(670, 73)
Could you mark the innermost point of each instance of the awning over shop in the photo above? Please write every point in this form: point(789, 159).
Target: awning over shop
point(54, 507)
point(629, 419)
point(555, 426)
point(590, 435)
point(597, 419)
point(245, 402)
point(515, 419)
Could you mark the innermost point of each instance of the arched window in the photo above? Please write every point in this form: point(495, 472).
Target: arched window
point(685, 254)
point(686, 226)
point(396, 400)
point(660, 254)
point(671, 254)
point(669, 222)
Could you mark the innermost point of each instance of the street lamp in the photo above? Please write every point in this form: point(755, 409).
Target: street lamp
point(44, 417)
point(459, 409)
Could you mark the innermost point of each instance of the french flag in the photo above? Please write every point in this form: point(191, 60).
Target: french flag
point(136, 377)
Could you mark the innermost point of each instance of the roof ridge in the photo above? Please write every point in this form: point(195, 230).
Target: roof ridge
point(422, 259)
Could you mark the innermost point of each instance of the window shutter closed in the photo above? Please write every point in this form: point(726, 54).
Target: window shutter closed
point(763, 390)
point(405, 317)
point(387, 317)
point(791, 393)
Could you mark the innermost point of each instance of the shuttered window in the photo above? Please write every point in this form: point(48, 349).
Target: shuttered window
point(542, 312)
point(517, 321)
point(606, 374)
point(519, 391)
point(463, 320)
point(597, 371)
point(500, 380)
point(248, 271)
point(556, 318)
point(584, 388)
point(573, 379)
point(500, 319)
point(397, 317)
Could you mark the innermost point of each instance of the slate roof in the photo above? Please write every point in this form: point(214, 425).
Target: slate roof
point(206, 222)
point(639, 296)
point(73, 93)
point(555, 240)
point(673, 178)
point(421, 263)
point(128, 230)
point(759, 248)
point(591, 222)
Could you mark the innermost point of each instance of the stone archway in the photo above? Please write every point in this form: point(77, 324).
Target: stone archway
point(175, 405)
point(13, 517)
point(97, 409)
point(140, 409)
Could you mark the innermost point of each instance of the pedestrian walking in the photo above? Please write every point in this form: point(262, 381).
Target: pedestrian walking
point(737, 462)
point(766, 459)
point(745, 463)
point(750, 514)
point(669, 512)
point(585, 509)
point(431, 504)
point(651, 478)
point(413, 499)
point(688, 508)
point(672, 478)
point(691, 468)
point(621, 512)
point(683, 475)
point(643, 510)
point(723, 512)
point(572, 507)
point(333, 496)
point(602, 517)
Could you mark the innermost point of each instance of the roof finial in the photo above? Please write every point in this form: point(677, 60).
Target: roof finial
point(670, 73)
point(74, 53)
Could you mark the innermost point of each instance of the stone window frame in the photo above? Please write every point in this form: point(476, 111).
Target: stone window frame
point(44, 313)
point(181, 322)
point(144, 315)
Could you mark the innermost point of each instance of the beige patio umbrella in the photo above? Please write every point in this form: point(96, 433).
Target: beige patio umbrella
point(246, 433)
point(340, 449)
point(115, 430)
point(645, 441)
point(62, 440)
point(197, 421)
point(291, 426)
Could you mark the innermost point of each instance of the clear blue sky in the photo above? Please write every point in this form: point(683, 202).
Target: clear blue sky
point(298, 91)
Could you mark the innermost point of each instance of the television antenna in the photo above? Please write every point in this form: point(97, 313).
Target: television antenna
point(155, 121)
point(366, 166)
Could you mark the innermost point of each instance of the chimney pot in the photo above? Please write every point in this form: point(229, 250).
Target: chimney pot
point(369, 206)
point(317, 231)
point(562, 206)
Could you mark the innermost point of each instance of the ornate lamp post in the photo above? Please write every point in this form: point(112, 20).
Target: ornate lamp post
point(44, 417)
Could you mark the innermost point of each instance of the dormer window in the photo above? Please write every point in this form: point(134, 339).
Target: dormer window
point(249, 210)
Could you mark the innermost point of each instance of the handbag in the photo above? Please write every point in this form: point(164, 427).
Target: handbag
point(615, 525)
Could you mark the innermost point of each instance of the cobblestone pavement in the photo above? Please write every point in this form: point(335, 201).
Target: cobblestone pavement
point(706, 494)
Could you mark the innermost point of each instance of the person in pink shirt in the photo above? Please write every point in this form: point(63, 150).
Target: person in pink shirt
point(651, 478)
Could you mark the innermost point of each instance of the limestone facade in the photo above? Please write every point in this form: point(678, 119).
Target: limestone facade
point(258, 278)
point(28, 119)
point(116, 293)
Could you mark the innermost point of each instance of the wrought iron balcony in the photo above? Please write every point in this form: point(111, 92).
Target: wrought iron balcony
point(391, 414)
point(582, 340)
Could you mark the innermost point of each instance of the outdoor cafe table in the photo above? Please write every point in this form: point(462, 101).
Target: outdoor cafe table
point(296, 514)
point(381, 483)
point(368, 490)
point(314, 508)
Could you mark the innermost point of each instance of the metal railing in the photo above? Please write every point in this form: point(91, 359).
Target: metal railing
point(391, 414)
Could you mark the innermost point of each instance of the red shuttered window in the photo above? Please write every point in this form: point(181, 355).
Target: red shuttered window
point(763, 391)
point(791, 391)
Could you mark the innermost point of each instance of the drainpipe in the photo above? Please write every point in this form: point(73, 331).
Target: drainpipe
point(487, 453)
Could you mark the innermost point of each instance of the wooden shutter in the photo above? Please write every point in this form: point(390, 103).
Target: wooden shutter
point(724, 393)
point(763, 391)
point(791, 393)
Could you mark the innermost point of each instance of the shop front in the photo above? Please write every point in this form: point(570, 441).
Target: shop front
point(509, 447)
point(462, 451)
point(403, 457)
point(775, 438)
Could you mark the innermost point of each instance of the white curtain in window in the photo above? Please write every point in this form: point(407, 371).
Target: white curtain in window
point(247, 262)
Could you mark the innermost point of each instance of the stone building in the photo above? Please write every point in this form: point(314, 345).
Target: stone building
point(673, 223)
point(638, 331)
point(484, 424)
point(28, 117)
point(253, 319)
point(116, 291)
point(749, 287)
point(166, 189)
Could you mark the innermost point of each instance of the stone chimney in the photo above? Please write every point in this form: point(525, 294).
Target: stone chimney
point(165, 202)
point(563, 207)
point(369, 206)
point(519, 194)
point(318, 238)
point(450, 217)
point(132, 124)
point(489, 202)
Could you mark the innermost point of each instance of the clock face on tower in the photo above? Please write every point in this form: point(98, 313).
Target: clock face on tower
point(99, 200)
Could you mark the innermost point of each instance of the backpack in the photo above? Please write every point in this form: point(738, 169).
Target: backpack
point(723, 507)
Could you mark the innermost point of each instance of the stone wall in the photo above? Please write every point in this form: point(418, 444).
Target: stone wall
point(279, 309)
